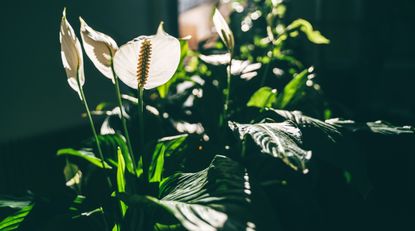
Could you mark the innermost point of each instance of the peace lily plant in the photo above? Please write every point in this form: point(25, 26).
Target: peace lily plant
point(210, 160)
point(73, 62)
point(227, 37)
point(147, 62)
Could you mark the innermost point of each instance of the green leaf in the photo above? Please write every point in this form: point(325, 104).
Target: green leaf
point(86, 155)
point(313, 35)
point(164, 148)
point(121, 179)
point(13, 222)
point(216, 198)
point(110, 145)
point(14, 202)
point(293, 91)
point(379, 127)
point(263, 97)
point(280, 140)
point(304, 121)
point(77, 203)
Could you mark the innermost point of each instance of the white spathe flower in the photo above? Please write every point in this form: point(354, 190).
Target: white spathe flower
point(99, 47)
point(71, 53)
point(223, 30)
point(148, 61)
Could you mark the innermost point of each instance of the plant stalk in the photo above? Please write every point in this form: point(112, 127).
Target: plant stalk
point(264, 75)
point(228, 87)
point(123, 120)
point(94, 132)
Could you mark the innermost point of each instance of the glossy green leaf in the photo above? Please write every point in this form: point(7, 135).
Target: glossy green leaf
point(303, 121)
point(165, 147)
point(263, 97)
point(379, 127)
point(280, 140)
point(13, 222)
point(121, 179)
point(313, 35)
point(14, 202)
point(110, 144)
point(216, 198)
point(293, 91)
point(86, 155)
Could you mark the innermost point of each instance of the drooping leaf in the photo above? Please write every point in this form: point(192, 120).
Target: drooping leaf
point(13, 222)
point(164, 148)
point(304, 121)
point(280, 140)
point(14, 202)
point(313, 35)
point(216, 198)
point(263, 97)
point(379, 127)
point(84, 154)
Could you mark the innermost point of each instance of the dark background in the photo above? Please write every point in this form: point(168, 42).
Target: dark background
point(367, 72)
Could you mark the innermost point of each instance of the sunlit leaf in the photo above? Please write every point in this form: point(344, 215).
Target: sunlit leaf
point(263, 97)
point(13, 222)
point(110, 144)
point(313, 35)
point(304, 121)
point(121, 179)
point(379, 127)
point(86, 155)
point(164, 148)
point(216, 198)
point(293, 91)
point(14, 202)
point(280, 140)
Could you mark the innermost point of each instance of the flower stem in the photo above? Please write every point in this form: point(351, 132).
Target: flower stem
point(141, 131)
point(265, 73)
point(228, 87)
point(94, 132)
point(123, 120)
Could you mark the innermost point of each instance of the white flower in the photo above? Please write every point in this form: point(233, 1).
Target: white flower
point(223, 30)
point(148, 61)
point(100, 48)
point(71, 53)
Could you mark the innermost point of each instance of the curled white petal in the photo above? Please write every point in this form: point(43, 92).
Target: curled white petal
point(223, 29)
point(71, 54)
point(164, 59)
point(99, 47)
